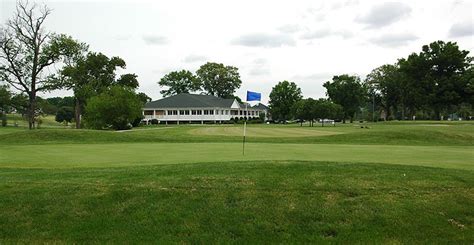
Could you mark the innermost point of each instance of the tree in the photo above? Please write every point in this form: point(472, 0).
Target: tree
point(19, 102)
point(5, 103)
point(219, 80)
point(325, 109)
point(128, 80)
point(386, 87)
point(65, 114)
point(91, 75)
point(179, 82)
point(446, 63)
point(26, 51)
point(346, 91)
point(304, 110)
point(143, 98)
point(116, 107)
point(283, 98)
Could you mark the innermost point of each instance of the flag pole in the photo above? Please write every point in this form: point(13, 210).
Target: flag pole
point(245, 129)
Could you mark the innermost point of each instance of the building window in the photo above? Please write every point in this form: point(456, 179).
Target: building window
point(172, 112)
point(181, 112)
point(199, 112)
point(217, 112)
point(148, 113)
point(193, 112)
point(206, 112)
point(211, 112)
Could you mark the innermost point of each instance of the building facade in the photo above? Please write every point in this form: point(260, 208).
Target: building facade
point(197, 108)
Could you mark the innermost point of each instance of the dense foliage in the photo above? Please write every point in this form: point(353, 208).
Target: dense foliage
point(283, 98)
point(65, 114)
point(179, 82)
point(219, 80)
point(346, 91)
point(432, 84)
point(117, 108)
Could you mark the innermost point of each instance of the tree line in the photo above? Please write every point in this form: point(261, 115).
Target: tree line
point(29, 56)
point(435, 83)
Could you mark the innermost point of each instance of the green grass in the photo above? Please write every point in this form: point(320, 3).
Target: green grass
point(397, 182)
point(113, 155)
point(241, 202)
point(461, 134)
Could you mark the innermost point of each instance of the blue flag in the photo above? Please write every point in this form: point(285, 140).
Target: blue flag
point(253, 96)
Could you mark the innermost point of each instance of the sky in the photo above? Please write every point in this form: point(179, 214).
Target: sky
point(306, 42)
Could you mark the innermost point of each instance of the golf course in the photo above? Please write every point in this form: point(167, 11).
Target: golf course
point(386, 182)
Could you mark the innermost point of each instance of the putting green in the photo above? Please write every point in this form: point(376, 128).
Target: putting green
point(262, 132)
point(113, 155)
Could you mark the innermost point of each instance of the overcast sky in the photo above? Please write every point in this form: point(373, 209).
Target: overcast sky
point(306, 42)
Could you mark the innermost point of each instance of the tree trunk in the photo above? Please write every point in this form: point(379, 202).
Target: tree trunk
point(31, 110)
point(78, 112)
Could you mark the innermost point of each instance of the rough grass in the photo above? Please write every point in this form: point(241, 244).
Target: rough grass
point(241, 202)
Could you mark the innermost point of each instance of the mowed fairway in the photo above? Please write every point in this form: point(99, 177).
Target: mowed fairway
point(384, 183)
point(262, 132)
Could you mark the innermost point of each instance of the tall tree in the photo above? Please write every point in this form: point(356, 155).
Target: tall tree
point(386, 87)
point(446, 64)
point(91, 75)
point(219, 80)
point(283, 98)
point(303, 110)
point(27, 50)
point(179, 82)
point(346, 91)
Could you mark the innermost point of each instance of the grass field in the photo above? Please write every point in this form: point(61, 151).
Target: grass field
point(400, 182)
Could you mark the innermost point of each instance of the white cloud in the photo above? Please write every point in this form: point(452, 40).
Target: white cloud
point(264, 40)
point(394, 39)
point(462, 29)
point(155, 40)
point(384, 14)
point(290, 28)
point(195, 58)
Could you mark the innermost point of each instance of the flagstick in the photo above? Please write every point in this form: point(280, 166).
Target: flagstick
point(245, 129)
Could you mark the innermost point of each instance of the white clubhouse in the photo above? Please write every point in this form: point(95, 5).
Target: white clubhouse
point(198, 108)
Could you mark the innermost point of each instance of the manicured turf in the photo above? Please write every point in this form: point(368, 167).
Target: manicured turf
point(262, 132)
point(383, 183)
point(112, 155)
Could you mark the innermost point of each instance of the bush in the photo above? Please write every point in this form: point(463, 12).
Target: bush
point(65, 114)
point(115, 108)
point(137, 121)
point(154, 121)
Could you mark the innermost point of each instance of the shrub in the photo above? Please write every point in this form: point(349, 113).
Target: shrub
point(115, 108)
point(65, 114)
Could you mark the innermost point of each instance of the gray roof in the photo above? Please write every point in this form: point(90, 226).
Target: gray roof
point(190, 101)
point(260, 106)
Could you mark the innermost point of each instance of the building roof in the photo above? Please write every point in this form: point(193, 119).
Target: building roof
point(260, 106)
point(190, 101)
